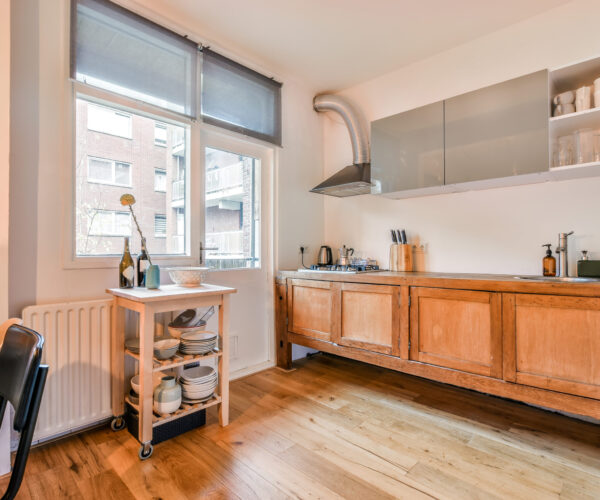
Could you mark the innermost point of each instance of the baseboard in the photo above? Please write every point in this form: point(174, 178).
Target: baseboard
point(249, 370)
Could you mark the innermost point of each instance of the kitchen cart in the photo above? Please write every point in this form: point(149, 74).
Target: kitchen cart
point(148, 303)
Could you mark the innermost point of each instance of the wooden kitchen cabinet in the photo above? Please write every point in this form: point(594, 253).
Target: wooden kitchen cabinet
point(553, 342)
point(310, 308)
point(457, 329)
point(369, 317)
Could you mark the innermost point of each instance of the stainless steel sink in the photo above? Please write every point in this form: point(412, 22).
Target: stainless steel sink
point(558, 279)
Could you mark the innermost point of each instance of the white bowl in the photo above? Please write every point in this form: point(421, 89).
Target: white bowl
point(135, 381)
point(176, 332)
point(135, 384)
point(187, 276)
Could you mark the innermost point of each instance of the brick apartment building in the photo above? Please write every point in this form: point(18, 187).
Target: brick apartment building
point(119, 152)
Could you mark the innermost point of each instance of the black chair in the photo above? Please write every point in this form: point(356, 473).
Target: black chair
point(22, 380)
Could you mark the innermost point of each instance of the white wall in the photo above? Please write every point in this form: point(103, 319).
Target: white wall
point(492, 231)
point(298, 216)
point(4, 183)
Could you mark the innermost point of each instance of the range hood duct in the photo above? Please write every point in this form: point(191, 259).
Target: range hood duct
point(354, 179)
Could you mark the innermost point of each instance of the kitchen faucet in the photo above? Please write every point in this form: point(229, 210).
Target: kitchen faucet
point(562, 250)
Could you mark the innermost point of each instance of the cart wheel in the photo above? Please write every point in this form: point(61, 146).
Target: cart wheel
point(117, 424)
point(145, 451)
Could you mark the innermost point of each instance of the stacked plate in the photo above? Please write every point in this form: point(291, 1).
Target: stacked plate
point(198, 384)
point(197, 342)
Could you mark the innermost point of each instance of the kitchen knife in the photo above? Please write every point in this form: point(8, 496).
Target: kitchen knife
point(398, 236)
point(394, 239)
point(403, 237)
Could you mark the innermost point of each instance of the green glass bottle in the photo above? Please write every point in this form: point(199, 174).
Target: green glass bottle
point(126, 268)
point(142, 264)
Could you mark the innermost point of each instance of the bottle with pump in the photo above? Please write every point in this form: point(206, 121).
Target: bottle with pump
point(142, 264)
point(549, 262)
point(126, 268)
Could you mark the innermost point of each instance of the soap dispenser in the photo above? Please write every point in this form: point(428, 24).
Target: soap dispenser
point(549, 262)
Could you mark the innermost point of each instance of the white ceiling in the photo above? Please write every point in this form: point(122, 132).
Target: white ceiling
point(334, 44)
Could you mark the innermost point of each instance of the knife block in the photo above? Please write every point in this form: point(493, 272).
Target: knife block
point(401, 258)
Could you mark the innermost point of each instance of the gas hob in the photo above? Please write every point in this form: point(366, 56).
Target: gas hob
point(340, 269)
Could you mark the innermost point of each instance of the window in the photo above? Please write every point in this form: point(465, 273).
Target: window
point(232, 216)
point(110, 223)
point(160, 134)
point(108, 121)
point(102, 171)
point(99, 215)
point(160, 225)
point(160, 180)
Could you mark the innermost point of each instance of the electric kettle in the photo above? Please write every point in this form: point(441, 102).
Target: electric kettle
point(325, 256)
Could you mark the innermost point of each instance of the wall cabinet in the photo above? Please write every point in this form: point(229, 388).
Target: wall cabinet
point(553, 342)
point(457, 329)
point(498, 131)
point(408, 149)
point(495, 133)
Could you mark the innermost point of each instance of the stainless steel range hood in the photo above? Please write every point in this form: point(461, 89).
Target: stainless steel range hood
point(354, 179)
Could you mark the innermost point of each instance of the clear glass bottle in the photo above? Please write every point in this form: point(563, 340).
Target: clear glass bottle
point(126, 268)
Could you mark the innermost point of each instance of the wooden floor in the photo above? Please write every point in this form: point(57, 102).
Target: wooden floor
point(335, 428)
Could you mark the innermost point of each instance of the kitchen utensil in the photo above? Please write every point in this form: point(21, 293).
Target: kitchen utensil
point(403, 237)
point(184, 319)
point(398, 236)
point(564, 98)
point(325, 256)
point(187, 276)
point(394, 238)
point(344, 255)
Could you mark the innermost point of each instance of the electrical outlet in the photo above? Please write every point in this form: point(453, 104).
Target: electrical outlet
point(233, 347)
point(305, 249)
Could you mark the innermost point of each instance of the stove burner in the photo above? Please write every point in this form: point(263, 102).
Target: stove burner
point(334, 268)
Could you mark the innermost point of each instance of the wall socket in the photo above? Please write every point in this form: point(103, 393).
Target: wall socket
point(306, 248)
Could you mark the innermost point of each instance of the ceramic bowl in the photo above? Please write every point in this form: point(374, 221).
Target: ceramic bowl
point(176, 332)
point(187, 276)
point(135, 384)
point(165, 349)
point(134, 397)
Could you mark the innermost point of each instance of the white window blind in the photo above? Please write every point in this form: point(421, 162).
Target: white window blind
point(160, 225)
point(117, 50)
point(240, 99)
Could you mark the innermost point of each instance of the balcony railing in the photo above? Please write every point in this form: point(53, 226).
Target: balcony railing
point(178, 190)
point(224, 178)
point(229, 243)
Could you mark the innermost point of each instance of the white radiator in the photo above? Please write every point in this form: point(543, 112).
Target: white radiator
point(77, 349)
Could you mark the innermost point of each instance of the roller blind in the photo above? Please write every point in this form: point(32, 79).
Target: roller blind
point(240, 99)
point(117, 50)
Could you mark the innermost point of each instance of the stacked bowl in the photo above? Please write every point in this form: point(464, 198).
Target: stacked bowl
point(165, 349)
point(198, 342)
point(198, 384)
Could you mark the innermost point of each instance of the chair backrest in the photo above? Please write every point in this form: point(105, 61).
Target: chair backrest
point(5, 326)
point(20, 358)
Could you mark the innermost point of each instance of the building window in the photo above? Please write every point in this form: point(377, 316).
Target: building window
point(110, 223)
point(160, 225)
point(103, 171)
point(108, 121)
point(160, 180)
point(98, 171)
point(160, 134)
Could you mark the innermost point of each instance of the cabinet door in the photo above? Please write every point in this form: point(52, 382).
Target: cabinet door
point(370, 317)
point(498, 131)
point(553, 342)
point(310, 308)
point(407, 149)
point(457, 329)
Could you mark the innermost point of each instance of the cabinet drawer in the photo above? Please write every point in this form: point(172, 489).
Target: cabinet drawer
point(457, 329)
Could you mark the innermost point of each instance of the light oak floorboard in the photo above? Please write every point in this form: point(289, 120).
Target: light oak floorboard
point(336, 428)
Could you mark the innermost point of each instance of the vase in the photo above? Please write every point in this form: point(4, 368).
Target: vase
point(167, 396)
point(153, 277)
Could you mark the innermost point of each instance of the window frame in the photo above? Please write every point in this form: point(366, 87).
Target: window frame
point(127, 105)
point(114, 172)
point(201, 134)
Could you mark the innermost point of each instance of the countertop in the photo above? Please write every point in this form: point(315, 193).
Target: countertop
point(467, 281)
